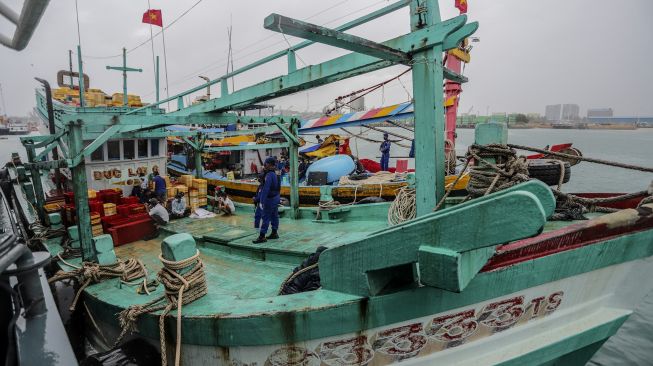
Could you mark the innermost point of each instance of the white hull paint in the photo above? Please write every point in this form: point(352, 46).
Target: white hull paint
point(588, 301)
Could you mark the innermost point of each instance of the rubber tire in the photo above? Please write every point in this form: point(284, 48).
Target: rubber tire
point(548, 171)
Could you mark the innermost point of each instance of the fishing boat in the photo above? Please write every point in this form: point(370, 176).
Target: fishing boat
point(493, 278)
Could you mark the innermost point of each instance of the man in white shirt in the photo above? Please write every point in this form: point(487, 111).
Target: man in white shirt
point(157, 212)
point(225, 204)
point(179, 208)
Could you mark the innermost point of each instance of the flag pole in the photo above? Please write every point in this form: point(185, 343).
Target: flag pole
point(165, 64)
point(152, 44)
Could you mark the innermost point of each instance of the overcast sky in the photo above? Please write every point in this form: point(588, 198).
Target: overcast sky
point(531, 53)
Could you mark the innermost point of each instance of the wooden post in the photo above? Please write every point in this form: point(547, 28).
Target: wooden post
point(293, 152)
point(37, 184)
point(198, 156)
point(429, 112)
point(80, 190)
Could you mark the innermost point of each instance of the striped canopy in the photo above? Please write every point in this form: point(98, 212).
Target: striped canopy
point(394, 112)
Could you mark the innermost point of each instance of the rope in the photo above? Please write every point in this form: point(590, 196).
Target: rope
point(90, 273)
point(584, 158)
point(331, 204)
point(403, 207)
point(487, 177)
point(192, 284)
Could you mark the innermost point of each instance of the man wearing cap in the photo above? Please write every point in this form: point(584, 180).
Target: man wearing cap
point(269, 200)
point(385, 152)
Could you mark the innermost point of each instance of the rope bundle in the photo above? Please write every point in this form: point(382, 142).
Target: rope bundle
point(179, 290)
point(89, 273)
point(486, 178)
point(403, 207)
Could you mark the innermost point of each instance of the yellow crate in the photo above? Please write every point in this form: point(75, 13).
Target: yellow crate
point(52, 207)
point(92, 194)
point(202, 201)
point(199, 183)
point(182, 188)
point(172, 191)
point(186, 180)
point(193, 192)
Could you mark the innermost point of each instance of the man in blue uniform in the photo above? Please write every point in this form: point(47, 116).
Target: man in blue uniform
point(385, 153)
point(269, 199)
point(159, 187)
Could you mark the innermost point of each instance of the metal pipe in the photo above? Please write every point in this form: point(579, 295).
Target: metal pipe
point(26, 23)
point(51, 126)
point(8, 13)
point(208, 88)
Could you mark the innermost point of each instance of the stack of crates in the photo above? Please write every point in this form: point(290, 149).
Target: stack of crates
point(110, 209)
point(96, 224)
point(201, 186)
point(193, 200)
point(186, 180)
point(171, 191)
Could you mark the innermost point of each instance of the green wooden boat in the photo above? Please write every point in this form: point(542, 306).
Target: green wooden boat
point(491, 280)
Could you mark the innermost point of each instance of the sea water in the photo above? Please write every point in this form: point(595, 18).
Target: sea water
point(633, 343)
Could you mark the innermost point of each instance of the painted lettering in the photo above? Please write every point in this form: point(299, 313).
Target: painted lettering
point(351, 351)
point(502, 314)
point(453, 327)
point(404, 341)
point(554, 301)
point(536, 304)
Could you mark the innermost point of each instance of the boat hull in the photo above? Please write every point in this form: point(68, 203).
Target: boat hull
point(565, 320)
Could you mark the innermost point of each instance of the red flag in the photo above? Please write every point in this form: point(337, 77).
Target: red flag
point(462, 6)
point(153, 16)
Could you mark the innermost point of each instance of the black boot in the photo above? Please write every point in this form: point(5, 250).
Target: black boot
point(261, 239)
point(273, 235)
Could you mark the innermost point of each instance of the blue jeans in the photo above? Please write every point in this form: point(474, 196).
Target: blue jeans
point(385, 159)
point(270, 214)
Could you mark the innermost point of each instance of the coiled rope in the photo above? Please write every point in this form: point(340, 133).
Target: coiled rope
point(403, 207)
point(485, 178)
point(180, 289)
point(89, 273)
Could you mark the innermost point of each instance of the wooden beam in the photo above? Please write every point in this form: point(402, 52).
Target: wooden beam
point(316, 33)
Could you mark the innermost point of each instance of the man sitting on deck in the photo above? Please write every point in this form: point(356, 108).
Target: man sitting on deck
point(270, 197)
point(225, 204)
point(157, 212)
point(179, 208)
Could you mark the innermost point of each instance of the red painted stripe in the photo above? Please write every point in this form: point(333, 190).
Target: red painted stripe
point(320, 122)
point(568, 238)
point(371, 113)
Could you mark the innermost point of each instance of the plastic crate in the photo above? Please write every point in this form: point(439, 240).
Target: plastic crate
point(132, 231)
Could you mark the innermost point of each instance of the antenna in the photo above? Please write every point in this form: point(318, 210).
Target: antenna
point(230, 55)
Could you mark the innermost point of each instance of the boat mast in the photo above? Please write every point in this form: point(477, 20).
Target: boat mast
point(429, 113)
point(124, 70)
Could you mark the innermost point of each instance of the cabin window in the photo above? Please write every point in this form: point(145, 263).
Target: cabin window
point(113, 150)
point(142, 148)
point(98, 154)
point(154, 147)
point(128, 149)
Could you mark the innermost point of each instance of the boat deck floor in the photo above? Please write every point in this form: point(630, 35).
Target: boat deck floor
point(243, 278)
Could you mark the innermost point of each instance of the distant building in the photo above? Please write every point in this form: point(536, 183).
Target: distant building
point(600, 112)
point(570, 112)
point(553, 112)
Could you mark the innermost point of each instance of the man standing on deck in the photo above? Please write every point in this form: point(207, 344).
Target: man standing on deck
point(385, 153)
point(159, 187)
point(269, 200)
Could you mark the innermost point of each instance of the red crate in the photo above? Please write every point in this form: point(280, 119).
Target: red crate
point(132, 231)
point(128, 200)
point(123, 210)
point(96, 206)
point(136, 208)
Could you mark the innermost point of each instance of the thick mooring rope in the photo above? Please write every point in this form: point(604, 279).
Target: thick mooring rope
point(89, 273)
point(180, 289)
point(509, 169)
